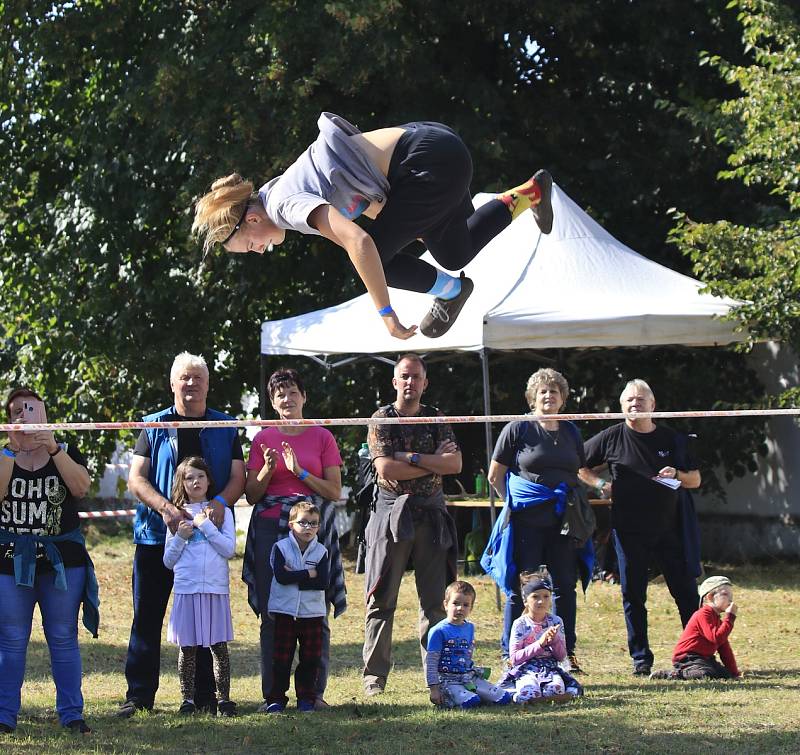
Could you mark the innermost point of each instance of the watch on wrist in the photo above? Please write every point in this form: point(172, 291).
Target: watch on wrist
point(413, 459)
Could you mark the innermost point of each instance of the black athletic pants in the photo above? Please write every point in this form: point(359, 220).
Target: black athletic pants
point(429, 199)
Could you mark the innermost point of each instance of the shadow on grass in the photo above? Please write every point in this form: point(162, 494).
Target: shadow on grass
point(386, 728)
point(100, 657)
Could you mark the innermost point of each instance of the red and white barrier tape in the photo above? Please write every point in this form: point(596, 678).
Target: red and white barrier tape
point(106, 514)
point(348, 421)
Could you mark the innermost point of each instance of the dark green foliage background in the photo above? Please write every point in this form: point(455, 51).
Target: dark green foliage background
point(115, 116)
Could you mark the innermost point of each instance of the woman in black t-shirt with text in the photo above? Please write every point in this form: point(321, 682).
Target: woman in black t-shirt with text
point(41, 482)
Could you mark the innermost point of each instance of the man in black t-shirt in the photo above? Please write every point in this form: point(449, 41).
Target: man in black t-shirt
point(647, 467)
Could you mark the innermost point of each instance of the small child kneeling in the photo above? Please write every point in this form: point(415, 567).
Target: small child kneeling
point(706, 634)
point(453, 679)
point(537, 647)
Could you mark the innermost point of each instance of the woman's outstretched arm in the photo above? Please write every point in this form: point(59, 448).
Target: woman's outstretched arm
point(365, 258)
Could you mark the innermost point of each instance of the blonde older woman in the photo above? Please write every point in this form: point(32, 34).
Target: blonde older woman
point(538, 463)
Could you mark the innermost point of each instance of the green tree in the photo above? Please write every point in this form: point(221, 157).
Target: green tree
point(114, 116)
point(756, 259)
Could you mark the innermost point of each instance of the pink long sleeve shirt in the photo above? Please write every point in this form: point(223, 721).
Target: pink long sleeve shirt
point(524, 642)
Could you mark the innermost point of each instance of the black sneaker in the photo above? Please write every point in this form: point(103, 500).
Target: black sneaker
point(6, 729)
point(207, 706)
point(188, 708)
point(445, 311)
point(129, 707)
point(227, 708)
point(543, 211)
point(78, 726)
point(642, 669)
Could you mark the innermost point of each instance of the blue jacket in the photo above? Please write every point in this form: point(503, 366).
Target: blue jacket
point(498, 558)
point(217, 444)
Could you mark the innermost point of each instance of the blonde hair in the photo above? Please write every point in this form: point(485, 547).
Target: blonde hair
point(545, 376)
point(216, 213)
point(303, 507)
point(641, 385)
point(184, 360)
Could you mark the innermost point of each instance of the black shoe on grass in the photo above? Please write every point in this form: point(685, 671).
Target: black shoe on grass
point(227, 708)
point(642, 669)
point(78, 726)
point(188, 708)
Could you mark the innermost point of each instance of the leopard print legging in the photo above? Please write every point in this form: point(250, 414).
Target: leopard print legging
point(187, 666)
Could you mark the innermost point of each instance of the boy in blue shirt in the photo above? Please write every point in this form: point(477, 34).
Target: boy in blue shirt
point(452, 678)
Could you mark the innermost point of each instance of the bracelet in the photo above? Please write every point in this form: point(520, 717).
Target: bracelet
point(303, 474)
point(8, 452)
point(387, 310)
point(56, 452)
point(221, 500)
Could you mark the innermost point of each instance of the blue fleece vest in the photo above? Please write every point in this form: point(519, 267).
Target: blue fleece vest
point(217, 445)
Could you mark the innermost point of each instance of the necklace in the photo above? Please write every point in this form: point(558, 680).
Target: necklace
point(553, 435)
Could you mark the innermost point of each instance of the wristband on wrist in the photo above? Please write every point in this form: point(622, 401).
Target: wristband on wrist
point(302, 475)
point(58, 450)
point(387, 310)
point(221, 500)
point(8, 452)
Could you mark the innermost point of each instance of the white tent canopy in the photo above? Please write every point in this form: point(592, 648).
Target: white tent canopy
point(576, 287)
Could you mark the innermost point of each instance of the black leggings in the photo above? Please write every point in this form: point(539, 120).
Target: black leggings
point(429, 199)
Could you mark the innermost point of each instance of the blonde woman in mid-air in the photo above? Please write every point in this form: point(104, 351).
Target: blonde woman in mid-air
point(411, 180)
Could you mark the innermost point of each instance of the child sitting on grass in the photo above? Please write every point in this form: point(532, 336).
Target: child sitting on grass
point(705, 635)
point(453, 679)
point(536, 648)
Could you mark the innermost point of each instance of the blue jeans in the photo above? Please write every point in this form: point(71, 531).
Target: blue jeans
point(534, 546)
point(634, 551)
point(59, 611)
point(152, 585)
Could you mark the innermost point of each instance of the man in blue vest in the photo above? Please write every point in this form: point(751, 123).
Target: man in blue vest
point(155, 457)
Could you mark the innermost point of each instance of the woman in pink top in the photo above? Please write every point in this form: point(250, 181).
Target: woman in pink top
point(286, 465)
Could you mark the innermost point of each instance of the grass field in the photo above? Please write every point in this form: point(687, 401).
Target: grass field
point(619, 714)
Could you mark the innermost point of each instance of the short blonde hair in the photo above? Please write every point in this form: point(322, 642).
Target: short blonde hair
point(184, 360)
point(303, 507)
point(641, 385)
point(545, 376)
point(217, 212)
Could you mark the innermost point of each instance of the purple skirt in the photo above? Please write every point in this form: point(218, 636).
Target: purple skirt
point(200, 619)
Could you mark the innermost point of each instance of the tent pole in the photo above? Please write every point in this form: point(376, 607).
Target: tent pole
point(487, 410)
point(262, 387)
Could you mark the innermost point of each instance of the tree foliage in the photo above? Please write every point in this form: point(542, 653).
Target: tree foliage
point(757, 262)
point(116, 115)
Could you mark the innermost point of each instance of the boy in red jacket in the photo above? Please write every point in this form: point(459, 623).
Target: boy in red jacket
point(706, 634)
